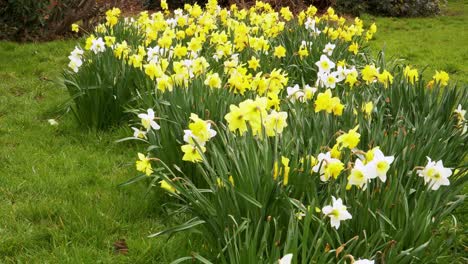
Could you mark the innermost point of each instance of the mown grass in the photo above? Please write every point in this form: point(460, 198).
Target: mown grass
point(438, 43)
point(59, 200)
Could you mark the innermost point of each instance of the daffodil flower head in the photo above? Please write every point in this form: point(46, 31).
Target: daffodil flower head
point(337, 212)
point(286, 259)
point(137, 133)
point(379, 164)
point(360, 174)
point(325, 64)
point(167, 186)
point(201, 129)
point(435, 174)
point(192, 153)
point(275, 123)
point(144, 164)
point(327, 166)
point(441, 77)
point(147, 120)
point(349, 140)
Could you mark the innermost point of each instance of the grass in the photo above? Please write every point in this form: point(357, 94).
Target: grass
point(438, 43)
point(59, 200)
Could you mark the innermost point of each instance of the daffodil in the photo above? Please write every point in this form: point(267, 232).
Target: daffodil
point(75, 28)
point(254, 63)
point(327, 166)
point(337, 212)
point(441, 77)
point(286, 259)
point(201, 129)
point(275, 122)
point(379, 164)
point(360, 174)
point(325, 64)
point(280, 52)
point(460, 114)
point(137, 133)
point(147, 120)
point(411, 75)
point(236, 119)
point(364, 261)
point(385, 78)
point(329, 47)
point(349, 140)
point(144, 164)
point(213, 80)
point(354, 48)
point(435, 174)
point(167, 186)
point(370, 74)
point(98, 45)
point(192, 153)
point(367, 109)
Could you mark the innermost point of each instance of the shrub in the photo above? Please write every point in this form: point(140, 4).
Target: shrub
point(410, 8)
point(275, 135)
point(43, 19)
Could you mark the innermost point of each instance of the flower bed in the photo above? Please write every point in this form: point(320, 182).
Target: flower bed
point(278, 136)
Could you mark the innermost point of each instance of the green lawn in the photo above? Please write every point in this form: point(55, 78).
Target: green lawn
point(438, 43)
point(59, 200)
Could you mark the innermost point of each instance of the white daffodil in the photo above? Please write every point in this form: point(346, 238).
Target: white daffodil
point(460, 113)
point(286, 259)
point(52, 122)
point(154, 54)
point(137, 133)
point(380, 164)
point(75, 63)
point(77, 52)
point(76, 59)
point(435, 174)
point(364, 261)
point(310, 24)
point(294, 93)
point(359, 175)
point(328, 166)
point(98, 45)
point(329, 80)
point(309, 92)
point(337, 212)
point(341, 73)
point(147, 120)
point(325, 64)
point(329, 49)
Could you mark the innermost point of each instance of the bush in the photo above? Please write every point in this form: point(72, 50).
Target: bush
point(42, 19)
point(396, 8)
point(276, 135)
